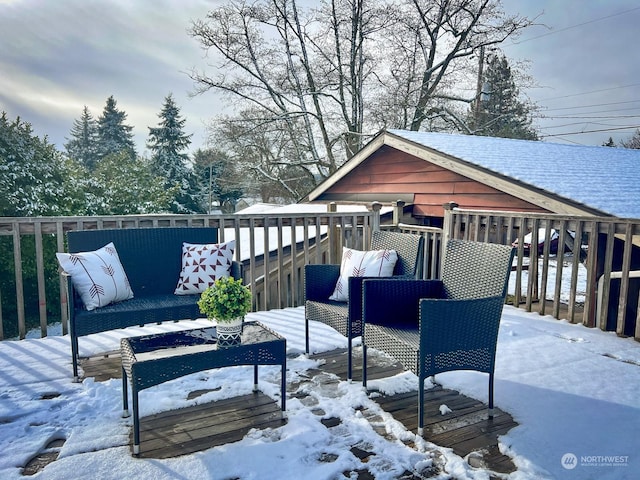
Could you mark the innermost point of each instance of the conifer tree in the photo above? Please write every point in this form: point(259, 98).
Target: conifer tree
point(113, 134)
point(502, 113)
point(83, 144)
point(33, 179)
point(168, 145)
point(168, 142)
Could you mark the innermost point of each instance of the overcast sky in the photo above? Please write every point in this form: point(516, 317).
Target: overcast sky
point(58, 55)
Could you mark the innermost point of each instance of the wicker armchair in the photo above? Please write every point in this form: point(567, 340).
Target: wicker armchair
point(346, 317)
point(435, 326)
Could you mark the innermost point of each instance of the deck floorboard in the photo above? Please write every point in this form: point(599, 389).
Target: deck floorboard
point(467, 429)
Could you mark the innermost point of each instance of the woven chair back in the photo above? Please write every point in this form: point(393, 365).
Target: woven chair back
point(410, 248)
point(475, 270)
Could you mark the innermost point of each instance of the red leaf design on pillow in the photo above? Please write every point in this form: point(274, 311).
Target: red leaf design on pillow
point(383, 256)
point(358, 272)
point(108, 270)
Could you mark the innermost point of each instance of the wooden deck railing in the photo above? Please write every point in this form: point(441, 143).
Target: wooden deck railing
point(598, 286)
point(272, 247)
point(592, 278)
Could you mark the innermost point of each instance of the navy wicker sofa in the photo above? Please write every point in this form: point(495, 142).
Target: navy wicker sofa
point(152, 260)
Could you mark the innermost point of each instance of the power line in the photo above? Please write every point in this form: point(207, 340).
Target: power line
point(577, 117)
point(592, 91)
point(551, 127)
point(575, 26)
point(597, 105)
point(590, 131)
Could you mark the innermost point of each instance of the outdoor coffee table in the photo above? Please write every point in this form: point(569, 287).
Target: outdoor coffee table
point(154, 359)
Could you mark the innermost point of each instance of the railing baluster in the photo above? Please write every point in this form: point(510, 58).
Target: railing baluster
point(624, 284)
point(42, 296)
point(17, 259)
point(589, 314)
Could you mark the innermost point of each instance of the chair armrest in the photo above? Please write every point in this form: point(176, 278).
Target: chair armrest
point(237, 270)
point(469, 325)
point(393, 301)
point(320, 281)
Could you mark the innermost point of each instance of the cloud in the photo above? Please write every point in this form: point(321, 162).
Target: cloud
point(583, 60)
point(59, 56)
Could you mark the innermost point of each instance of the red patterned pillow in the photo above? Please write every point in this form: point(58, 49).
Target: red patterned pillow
point(373, 263)
point(203, 264)
point(97, 276)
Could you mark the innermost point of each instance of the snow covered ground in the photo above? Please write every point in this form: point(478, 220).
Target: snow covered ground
point(567, 269)
point(574, 391)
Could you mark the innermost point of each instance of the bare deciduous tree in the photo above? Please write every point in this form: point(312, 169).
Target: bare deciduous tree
point(328, 77)
point(633, 141)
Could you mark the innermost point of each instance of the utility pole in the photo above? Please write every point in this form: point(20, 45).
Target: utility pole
point(476, 112)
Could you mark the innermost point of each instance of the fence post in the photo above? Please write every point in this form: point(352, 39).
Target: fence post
point(447, 227)
point(448, 223)
point(398, 212)
point(375, 207)
point(335, 243)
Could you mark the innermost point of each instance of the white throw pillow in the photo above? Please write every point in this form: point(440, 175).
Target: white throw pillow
point(203, 264)
point(355, 263)
point(97, 276)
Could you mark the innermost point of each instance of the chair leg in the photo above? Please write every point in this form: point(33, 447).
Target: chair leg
point(350, 357)
point(491, 395)
point(420, 406)
point(74, 358)
point(364, 364)
point(306, 335)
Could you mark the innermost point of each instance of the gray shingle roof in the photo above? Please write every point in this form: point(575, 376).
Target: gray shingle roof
point(604, 178)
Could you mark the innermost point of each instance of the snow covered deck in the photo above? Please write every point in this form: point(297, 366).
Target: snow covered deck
point(574, 391)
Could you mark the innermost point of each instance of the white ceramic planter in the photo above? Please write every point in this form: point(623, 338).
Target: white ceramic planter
point(229, 332)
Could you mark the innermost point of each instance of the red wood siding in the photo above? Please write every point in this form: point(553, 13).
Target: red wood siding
point(390, 171)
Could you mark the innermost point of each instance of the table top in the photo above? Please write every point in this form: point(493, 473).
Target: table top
point(187, 342)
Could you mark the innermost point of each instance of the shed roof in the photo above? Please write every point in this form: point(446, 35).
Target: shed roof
point(604, 179)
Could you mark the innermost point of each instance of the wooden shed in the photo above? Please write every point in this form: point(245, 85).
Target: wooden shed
point(426, 170)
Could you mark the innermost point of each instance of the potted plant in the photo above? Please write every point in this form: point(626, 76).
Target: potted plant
point(227, 301)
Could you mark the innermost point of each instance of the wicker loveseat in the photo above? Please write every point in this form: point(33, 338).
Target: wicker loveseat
point(346, 317)
point(152, 260)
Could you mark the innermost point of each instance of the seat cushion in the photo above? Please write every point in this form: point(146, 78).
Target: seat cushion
point(137, 311)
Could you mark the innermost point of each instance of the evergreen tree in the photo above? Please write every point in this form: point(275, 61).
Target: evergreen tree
point(33, 179)
point(121, 187)
point(501, 113)
point(168, 144)
point(113, 135)
point(83, 144)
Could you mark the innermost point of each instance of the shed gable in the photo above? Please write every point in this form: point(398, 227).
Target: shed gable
point(395, 174)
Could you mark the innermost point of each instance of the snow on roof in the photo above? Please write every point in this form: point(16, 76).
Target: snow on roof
point(604, 178)
point(244, 243)
point(305, 208)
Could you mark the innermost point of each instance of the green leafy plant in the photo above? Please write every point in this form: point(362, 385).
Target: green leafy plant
point(225, 300)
